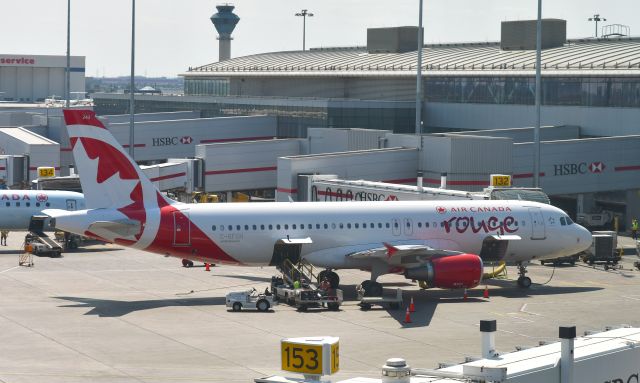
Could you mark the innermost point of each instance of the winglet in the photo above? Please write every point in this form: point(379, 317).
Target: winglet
point(390, 249)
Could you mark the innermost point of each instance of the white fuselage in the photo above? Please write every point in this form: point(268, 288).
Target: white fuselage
point(18, 206)
point(330, 232)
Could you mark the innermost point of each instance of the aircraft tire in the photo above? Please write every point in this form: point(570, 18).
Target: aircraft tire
point(334, 279)
point(524, 282)
point(371, 288)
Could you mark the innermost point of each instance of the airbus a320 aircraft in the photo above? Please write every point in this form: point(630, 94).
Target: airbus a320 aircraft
point(442, 244)
point(18, 206)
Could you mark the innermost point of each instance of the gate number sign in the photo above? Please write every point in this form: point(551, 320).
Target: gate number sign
point(500, 180)
point(46, 172)
point(311, 356)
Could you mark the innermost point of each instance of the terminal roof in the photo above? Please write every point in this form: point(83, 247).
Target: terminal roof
point(587, 57)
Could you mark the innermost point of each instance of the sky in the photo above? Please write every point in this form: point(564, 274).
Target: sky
point(172, 35)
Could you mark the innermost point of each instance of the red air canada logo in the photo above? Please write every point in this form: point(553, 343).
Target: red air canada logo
point(596, 167)
point(42, 197)
point(186, 140)
point(441, 210)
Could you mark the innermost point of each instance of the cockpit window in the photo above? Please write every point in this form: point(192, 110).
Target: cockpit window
point(563, 222)
point(569, 221)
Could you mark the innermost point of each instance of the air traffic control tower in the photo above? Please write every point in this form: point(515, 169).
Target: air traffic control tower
point(225, 22)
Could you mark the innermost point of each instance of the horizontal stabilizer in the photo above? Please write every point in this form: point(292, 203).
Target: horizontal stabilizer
point(115, 229)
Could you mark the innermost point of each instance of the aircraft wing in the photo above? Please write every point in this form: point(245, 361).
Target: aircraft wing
point(401, 254)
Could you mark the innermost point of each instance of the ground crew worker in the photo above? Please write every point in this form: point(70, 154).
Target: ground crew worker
point(3, 237)
point(325, 285)
point(634, 229)
point(296, 284)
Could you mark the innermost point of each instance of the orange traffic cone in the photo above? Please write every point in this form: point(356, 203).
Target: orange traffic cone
point(412, 307)
point(486, 292)
point(465, 296)
point(207, 267)
point(407, 316)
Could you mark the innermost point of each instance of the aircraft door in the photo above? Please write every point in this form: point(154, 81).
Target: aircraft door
point(395, 226)
point(537, 223)
point(181, 228)
point(407, 223)
point(71, 204)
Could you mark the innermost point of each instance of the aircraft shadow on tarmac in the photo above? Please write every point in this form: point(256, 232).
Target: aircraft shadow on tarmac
point(246, 277)
point(112, 308)
point(427, 301)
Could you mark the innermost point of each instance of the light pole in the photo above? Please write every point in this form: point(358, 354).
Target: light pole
point(419, 75)
point(596, 18)
point(304, 13)
point(536, 130)
point(132, 86)
point(67, 83)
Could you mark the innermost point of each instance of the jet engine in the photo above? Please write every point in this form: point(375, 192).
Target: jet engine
point(450, 272)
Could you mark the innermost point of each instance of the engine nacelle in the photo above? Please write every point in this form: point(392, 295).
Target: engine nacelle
point(462, 271)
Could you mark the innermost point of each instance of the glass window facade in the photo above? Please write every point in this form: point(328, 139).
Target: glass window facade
point(293, 120)
point(399, 119)
point(571, 91)
point(206, 87)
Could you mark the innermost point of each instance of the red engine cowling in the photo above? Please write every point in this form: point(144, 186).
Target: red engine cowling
point(451, 272)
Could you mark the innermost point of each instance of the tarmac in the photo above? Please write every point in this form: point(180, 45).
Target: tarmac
point(108, 314)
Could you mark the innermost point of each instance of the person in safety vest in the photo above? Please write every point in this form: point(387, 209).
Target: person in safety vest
point(634, 229)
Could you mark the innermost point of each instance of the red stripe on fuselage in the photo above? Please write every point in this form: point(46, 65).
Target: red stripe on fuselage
point(201, 245)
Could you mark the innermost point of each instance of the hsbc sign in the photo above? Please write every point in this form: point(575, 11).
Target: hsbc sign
point(595, 167)
point(169, 141)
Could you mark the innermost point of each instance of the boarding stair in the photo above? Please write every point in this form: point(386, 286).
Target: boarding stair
point(303, 271)
point(37, 236)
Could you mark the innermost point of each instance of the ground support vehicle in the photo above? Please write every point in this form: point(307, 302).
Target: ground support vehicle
point(306, 296)
point(250, 299)
point(636, 264)
point(366, 302)
point(602, 251)
point(558, 261)
point(42, 245)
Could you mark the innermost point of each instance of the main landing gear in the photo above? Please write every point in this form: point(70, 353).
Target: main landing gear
point(523, 280)
point(332, 277)
point(371, 288)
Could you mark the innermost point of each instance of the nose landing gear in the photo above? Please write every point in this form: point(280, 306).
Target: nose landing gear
point(523, 281)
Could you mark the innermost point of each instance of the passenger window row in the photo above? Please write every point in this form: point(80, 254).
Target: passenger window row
point(317, 226)
point(25, 204)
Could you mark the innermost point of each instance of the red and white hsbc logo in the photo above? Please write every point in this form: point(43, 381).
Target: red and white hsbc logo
point(168, 141)
point(595, 167)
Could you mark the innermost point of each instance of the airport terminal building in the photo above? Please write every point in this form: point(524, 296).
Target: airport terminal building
point(477, 107)
point(34, 78)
